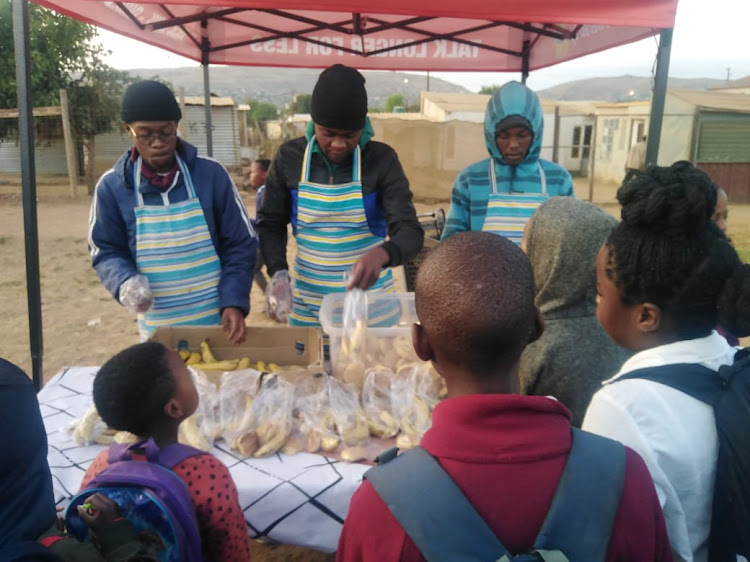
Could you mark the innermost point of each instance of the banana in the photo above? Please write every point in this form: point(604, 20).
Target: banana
point(125, 437)
point(292, 446)
point(247, 443)
point(385, 426)
point(405, 441)
point(84, 431)
point(266, 431)
point(312, 441)
point(353, 454)
point(354, 374)
point(106, 438)
point(354, 344)
point(206, 353)
point(329, 443)
point(274, 368)
point(244, 363)
point(276, 438)
point(245, 421)
point(184, 353)
point(194, 358)
point(404, 347)
point(225, 365)
point(193, 436)
point(262, 367)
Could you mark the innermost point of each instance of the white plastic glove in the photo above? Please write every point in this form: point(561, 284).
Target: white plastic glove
point(135, 294)
point(279, 296)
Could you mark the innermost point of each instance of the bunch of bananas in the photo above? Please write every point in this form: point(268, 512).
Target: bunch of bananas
point(205, 360)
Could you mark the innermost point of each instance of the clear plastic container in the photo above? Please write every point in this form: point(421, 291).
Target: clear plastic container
point(387, 339)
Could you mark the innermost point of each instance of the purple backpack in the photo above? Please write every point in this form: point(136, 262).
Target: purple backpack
point(150, 495)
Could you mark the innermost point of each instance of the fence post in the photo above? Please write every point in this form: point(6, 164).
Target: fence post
point(592, 160)
point(71, 155)
point(556, 137)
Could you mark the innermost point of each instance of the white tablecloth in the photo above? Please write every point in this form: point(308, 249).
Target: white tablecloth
point(298, 500)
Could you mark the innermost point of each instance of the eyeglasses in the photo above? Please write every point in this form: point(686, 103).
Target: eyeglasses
point(150, 138)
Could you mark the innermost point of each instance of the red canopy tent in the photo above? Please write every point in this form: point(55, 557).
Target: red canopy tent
point(465, 35)
point(388, 35)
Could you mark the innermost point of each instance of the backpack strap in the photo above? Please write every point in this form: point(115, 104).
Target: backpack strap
point(582, 514)
point(168, 456)
point(419, 494)
point(693, 379)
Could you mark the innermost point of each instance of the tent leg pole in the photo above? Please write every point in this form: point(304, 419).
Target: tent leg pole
point(206, 88)
point(556, 137)
point(28, 179)
point(659, 95)
point(525, 61)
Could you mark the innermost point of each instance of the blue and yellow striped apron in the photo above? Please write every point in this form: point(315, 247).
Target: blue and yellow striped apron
point(332, 234)
point(175, 252)
point(507, 213)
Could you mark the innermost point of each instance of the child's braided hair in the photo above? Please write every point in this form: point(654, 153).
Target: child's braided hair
point(669, 252)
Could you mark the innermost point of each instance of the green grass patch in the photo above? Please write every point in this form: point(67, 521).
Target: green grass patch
point(744, 255)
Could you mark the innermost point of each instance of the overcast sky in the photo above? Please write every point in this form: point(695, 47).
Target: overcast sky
point(709, 37)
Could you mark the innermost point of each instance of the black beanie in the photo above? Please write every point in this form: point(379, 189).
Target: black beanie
point(512, 121)
point(339, 100)
point(149, 101)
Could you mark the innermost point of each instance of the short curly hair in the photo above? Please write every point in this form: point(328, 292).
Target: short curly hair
point(475, 300)
point(668, 251)
point(132, 388)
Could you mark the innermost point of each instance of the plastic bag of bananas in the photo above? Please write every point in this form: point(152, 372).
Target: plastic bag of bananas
point(414, 395)
point(204, 427)
point(350, 420)
point(269, 419)
point(236, 394)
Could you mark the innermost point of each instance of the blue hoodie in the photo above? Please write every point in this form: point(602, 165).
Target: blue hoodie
point(112, 224)
point(472, 187)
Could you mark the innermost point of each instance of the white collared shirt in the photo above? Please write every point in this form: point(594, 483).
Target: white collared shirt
point(674, 433)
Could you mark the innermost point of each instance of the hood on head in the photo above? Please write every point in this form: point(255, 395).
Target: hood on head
point(562, 242)
point(514, 99)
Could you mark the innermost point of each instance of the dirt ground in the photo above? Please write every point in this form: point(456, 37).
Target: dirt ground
point(82, 323)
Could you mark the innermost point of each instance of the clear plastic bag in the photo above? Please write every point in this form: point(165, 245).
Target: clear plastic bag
point(413, 395)
point(236, 394)
point(348, 415)
point(376, 402)
point(270, 418)
point(89, 428)
point(354, 323)
point(202, 428)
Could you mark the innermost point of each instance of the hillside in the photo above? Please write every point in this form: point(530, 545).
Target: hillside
point(619, 88)
point(278, 85)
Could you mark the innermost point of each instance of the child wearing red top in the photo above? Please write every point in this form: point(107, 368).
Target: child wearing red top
point(147, 390)
point(505, 452)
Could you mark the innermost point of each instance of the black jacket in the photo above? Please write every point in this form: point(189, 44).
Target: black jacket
point(381, 172)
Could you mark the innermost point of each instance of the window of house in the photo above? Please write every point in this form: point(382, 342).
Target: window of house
point(575, 146)
point(586, 149)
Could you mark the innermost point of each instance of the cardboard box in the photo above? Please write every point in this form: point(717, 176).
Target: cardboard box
point(283, 345)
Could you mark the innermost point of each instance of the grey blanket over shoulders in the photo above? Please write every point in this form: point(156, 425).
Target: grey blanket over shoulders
point(574, 355)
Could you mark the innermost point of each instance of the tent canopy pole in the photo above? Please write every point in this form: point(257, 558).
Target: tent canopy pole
point(659, 96)
point(525, 60)
point(206, 87)
point(20, 10)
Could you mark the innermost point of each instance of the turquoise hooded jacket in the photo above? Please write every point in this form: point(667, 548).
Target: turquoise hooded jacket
point(472, 187)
